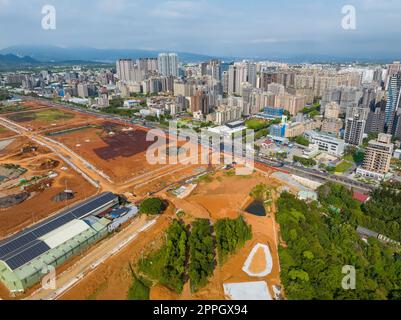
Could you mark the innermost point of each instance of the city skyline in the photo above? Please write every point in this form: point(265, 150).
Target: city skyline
point(217, 28)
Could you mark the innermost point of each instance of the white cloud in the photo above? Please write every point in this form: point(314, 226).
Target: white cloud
point(264, 40)
point(178, 9)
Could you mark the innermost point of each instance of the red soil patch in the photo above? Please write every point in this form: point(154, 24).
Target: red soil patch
point(258, 263)
point(120, 155)
point(5, 133)
point(40, 205)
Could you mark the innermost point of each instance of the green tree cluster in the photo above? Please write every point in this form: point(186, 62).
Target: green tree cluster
point(301, 140)
point(305, 162)
point(312, 111)
point(127, 113)
point(358, 155)
point(173, 273)
point(152, 206)
point(193, 256)
point(261, 192)
point(383, 210)
point(201, 251)
point(382, 213)
point(230, 236)
point(319, 244)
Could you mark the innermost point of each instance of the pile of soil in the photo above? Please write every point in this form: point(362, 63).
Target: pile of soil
point(49, 164)
point(12, 200)
point(63, 196)
point(40, 186)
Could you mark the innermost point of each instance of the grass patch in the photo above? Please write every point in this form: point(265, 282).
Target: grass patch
point(257, 124)
point(229, 173)
point(140, 289)
point(349, 158)
point(343, 167)
point(16, 108)
point(44, 115)
point(207, 178)
point(93, 296)
point(152, 266)
point(52, 115)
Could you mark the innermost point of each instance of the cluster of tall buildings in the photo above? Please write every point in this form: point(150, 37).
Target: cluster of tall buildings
point(355, 101)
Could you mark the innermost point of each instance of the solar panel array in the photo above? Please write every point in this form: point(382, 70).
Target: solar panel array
point(25, 246)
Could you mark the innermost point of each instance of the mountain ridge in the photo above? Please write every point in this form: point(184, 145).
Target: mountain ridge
point(57, 54)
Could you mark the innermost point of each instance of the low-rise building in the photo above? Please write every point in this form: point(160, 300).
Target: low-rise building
point(327, 143)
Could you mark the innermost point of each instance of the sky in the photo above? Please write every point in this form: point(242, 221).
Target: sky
point(251, 28)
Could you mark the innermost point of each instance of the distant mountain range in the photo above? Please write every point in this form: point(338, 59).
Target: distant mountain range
point(58, 54)
point(13, 59)
point(25, 55)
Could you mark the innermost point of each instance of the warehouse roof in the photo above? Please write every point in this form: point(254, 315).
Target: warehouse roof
point(64, 233)
point(26, 245)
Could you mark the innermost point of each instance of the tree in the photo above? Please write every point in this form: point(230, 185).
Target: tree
point(201, 249)
point(320, 241)
point(152, 206)
point(173, 274)
point(231, 235)
point(305, 162)
point(301, 140)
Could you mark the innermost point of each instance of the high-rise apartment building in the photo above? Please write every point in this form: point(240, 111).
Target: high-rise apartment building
point(377, 157)
point(168, 64)
point(332, 126)
point(393, 101)
point(124, 68)
point(332, 110)
point(376, 121)
point(200, 102)
point(82, 90)
point(293, 104)
point(392, 70)
point(354, 130)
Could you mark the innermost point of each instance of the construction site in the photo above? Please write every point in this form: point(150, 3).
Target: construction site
point(212, 197)
point(54, 159)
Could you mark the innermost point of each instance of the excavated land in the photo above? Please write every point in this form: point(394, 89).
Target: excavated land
point(21, 107)
point(43, 119)
point(20, 148)
point(5, 133)
point(118, 151)
point(226, 196)
point(37, 195)
point(229, 195)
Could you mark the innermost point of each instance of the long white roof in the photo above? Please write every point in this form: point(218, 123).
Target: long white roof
point(65, 233)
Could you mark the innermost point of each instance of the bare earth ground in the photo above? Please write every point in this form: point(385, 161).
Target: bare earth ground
point(121, 155)
point(258, 263)
point(227, 196)
point(27, 118)
point(118, 153)
point(112, 280)
point(5, 133)
point(40, 205)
